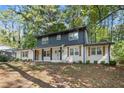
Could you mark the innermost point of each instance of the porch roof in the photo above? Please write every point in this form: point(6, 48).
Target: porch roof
point(99, 43)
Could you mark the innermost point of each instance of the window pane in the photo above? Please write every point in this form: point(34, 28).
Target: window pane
point(88, 51)
point(45, 40)
point(99, 51)
point(70, 36)
point(48, 53)
point(73, 36)
point(58, 37)
point(44, 53)
point(93, 52)
point(71, 51)
point(103, 50)
point(23, 54)
point(76, 51)
point(76, 36)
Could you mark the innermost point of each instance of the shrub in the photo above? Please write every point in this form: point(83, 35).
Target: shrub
point(95, 62)
point(74, 62)
point(4, 58)
point(11, 59)
point(121, 61)
point(20, 60)
point(112, 63)
point(106, 63)
point(88, 62)
point(16, 60)
point(30, 60)
point(103, 62)
point(80, 61)
point(25, 60)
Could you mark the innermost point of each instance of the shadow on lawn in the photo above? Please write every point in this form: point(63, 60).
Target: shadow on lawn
point(30, 78)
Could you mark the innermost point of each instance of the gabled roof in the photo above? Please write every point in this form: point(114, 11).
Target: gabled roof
point(64, 32)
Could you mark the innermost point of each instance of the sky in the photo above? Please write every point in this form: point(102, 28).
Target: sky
point(3, 7)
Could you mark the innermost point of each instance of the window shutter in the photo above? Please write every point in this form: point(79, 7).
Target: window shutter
point(60, 53)
point(103, 50)
point(88, 51)
point(68, 51)
point(79, 50)
point(42, 54)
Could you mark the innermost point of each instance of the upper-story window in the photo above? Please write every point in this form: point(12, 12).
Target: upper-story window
point(73, 36)
point(45, 40)
point(58, 37)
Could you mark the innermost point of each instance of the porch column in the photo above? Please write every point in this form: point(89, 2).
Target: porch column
point(60, 53)
point(50, 53)
point(42, 54)
point(33, 59)
point(108, 53)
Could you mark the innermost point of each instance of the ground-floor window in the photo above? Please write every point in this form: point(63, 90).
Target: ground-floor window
point(99, 50)
point(24, 54)
point(71, 51)
point(47, 53)
point(95, 51)
point(74, 51)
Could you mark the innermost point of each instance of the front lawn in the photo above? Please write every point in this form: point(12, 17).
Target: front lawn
point(18, 74)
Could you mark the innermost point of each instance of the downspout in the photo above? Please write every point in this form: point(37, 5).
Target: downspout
point(85, 41)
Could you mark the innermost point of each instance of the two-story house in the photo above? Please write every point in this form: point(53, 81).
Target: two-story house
point(67, 46)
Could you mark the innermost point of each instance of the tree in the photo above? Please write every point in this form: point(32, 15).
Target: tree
point(10, 28)
point(30, 21)
point(117, 50)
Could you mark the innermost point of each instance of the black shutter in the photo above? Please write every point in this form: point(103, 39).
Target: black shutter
point(42, 54)
point(79, 50)
point(68, 51)
point(50, 53)
point(60, 53)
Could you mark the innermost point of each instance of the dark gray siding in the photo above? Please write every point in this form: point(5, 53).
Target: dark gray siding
point(64, 40)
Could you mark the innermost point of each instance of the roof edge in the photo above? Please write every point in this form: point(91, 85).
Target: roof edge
point(65, 31)
point(99, 43)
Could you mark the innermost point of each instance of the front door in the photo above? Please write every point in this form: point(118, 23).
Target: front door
point(74, 53)
point(47, 54)
point(57, 54)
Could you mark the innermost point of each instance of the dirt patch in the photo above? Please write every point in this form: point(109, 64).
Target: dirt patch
point(60, 75)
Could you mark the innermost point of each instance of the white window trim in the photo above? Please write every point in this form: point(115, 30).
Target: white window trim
point(72, 37)
point(96, 49)
point(45, 40)
point(25, 54)
point(58, 37)
point(74, 51)
point(92, 50)
point(47, 53)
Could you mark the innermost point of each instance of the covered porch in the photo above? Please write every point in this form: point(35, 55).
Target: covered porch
point(50, 54)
